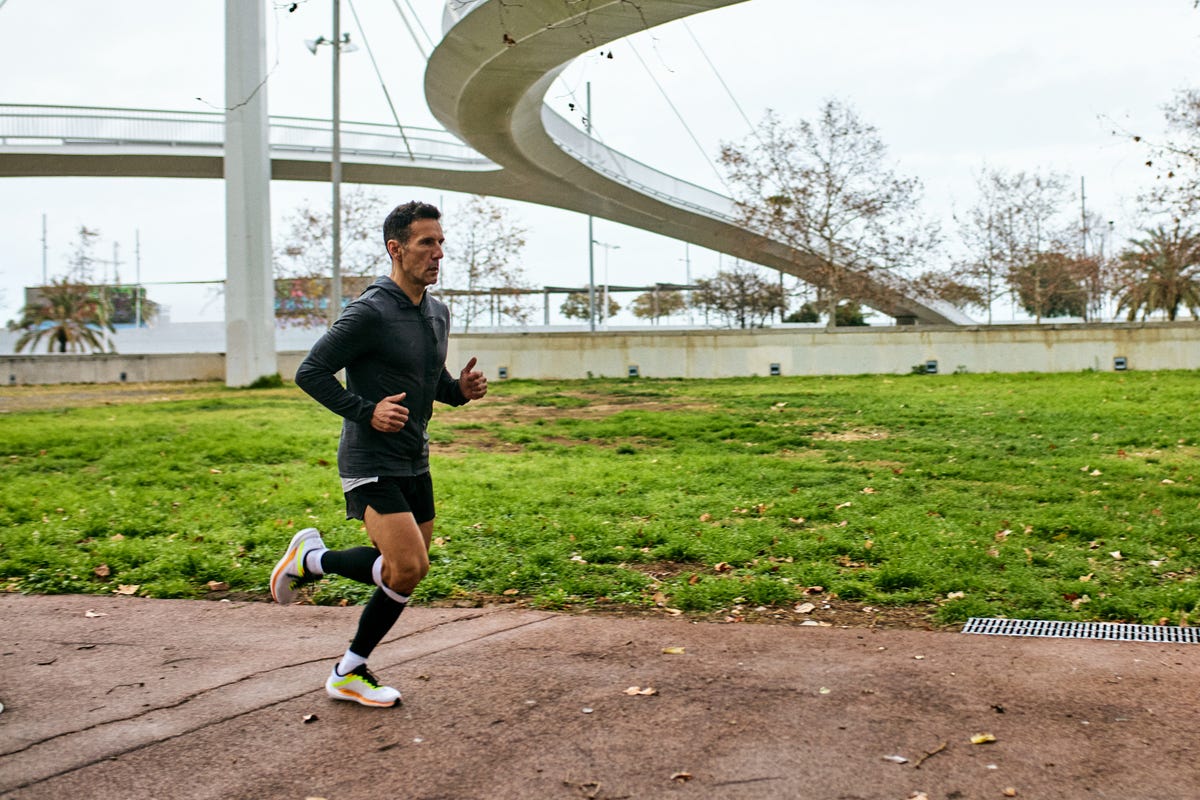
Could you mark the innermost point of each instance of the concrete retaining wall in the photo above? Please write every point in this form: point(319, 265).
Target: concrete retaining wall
point(712, 354)
point(808, 351)
point(106, 368)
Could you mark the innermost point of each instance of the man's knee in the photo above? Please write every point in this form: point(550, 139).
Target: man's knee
point(403, 575)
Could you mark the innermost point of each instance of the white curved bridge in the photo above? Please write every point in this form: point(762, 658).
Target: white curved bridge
point(485, 82)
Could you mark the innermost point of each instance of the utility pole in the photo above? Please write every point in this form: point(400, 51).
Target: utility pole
point(137, 278)
point(339, 42)
point(45, 248)
point(335, 161)
point(587, 124)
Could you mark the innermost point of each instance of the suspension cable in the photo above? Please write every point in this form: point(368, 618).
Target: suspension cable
point(724, 85)
point(417, 19)
point(362, 32)
point(411, 32)
point(679, 116)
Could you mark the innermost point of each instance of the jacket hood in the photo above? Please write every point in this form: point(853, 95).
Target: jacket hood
point(388, 285)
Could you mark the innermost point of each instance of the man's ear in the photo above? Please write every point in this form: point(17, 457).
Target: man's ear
point(394, 248)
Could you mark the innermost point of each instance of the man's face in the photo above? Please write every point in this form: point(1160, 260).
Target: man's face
point(419, 259)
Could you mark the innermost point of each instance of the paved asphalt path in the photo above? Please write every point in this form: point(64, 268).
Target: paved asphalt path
point(120, 697)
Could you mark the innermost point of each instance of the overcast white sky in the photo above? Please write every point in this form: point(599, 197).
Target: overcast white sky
point(951, 86)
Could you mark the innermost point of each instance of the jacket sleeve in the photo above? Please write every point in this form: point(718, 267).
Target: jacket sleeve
point(344, 342)
point(448, 391)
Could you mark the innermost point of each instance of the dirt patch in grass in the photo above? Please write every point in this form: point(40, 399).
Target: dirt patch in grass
point(512, 410)
point(853, 435)
point(56, 397)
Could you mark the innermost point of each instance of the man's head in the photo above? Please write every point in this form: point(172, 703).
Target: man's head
point(414, 240)
point(398, 224)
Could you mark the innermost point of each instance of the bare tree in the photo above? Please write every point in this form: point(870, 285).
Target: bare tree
point(307, 247)
point(956, 286)
point(304, 257)
point(1176, 160)
point(482, 255)
point(740, 296)
point(1019, 239)
point(826, 189)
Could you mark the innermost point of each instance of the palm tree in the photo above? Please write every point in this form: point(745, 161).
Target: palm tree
point(69, 315)
point(1160, 273)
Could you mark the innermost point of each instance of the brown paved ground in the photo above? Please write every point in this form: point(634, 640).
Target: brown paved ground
point(194, 699)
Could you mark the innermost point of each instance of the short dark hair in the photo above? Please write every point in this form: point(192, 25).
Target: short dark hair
point(399, 223)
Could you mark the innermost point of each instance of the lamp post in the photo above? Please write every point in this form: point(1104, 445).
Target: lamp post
point(604, 298)
point(587, 125)
point(340, 43)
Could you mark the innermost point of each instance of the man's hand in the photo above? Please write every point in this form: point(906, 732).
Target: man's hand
point(472, 384)
point(389, 415)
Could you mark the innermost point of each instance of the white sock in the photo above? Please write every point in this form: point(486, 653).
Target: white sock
point(350, 662)
point(377, 575)
point(312, 566)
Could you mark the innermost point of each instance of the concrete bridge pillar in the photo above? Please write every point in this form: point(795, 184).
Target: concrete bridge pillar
point(249, 288)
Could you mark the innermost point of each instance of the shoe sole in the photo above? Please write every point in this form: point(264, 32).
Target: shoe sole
point(354, 697)
point(281, 592)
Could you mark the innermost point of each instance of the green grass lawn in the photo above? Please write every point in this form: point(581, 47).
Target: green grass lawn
point(1037, 496)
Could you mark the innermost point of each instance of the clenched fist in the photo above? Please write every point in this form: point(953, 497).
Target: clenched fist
point(389, 415)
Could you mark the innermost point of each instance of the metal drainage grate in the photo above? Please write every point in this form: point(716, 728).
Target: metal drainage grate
point(1111, 631)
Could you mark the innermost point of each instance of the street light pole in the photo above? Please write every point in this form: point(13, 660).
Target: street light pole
point(604, 297)
point(587, 124)
point(340, 42)
point(335, 172)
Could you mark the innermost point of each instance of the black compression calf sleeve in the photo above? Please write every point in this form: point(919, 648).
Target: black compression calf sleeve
point(378, 617)
point(354, 563)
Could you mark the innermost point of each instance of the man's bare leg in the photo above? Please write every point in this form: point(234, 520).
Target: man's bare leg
point(403, 561)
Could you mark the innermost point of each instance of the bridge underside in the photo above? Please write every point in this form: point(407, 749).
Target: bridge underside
point(490, 94)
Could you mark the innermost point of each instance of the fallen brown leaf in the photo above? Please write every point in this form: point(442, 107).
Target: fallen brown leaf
point(925, 756)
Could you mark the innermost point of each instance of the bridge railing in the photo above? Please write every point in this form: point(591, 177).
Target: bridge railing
point(633, 173)
point(56, 126)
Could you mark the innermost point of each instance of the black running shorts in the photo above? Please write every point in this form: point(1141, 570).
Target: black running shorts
point(393, 495)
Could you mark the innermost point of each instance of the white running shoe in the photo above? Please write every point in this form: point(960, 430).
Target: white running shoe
point(361, 686)
point(289, 574)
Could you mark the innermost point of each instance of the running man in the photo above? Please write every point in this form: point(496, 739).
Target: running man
point(391, 341)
